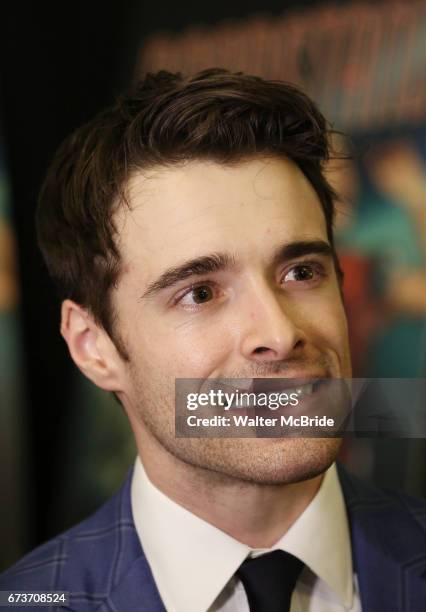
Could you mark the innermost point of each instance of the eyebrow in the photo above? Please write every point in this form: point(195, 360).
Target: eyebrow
point(300, 249)
point(194, 267)
point(217, 262)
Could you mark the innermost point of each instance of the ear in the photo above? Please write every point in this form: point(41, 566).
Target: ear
point(91, 348)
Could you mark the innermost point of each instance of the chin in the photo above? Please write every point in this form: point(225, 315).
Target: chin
point(266, 461)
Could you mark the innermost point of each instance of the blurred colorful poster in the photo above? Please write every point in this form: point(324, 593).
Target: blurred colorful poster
point(11, 386)
point(364, 63)
point(365, 66)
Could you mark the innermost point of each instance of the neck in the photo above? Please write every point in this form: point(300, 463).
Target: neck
point(257, 515)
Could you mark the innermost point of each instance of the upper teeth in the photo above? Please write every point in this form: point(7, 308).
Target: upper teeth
point(302, 390)
point(299, 391)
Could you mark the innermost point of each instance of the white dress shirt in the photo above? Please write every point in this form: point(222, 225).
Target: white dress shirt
point(193, 562)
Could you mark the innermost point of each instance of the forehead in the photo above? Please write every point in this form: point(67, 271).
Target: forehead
point(201, 206)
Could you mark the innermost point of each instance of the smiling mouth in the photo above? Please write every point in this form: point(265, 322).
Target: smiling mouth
point(294, 390)
point(300, 386)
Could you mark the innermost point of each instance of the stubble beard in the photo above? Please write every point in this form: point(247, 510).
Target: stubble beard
point(261, 461)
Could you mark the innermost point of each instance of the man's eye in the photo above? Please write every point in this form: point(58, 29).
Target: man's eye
point(302, 273)
point(197, 295)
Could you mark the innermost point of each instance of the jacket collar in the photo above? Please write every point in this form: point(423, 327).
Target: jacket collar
point(129, 595)
point(124, 580)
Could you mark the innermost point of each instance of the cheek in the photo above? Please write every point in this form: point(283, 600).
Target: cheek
point(182, 350)
point(330, 331)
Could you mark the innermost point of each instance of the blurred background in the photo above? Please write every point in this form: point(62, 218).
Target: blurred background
point(64, 445)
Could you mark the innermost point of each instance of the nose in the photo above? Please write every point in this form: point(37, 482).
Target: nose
point(270, 330)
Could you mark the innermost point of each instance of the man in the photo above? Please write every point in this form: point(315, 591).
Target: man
point(190, 229)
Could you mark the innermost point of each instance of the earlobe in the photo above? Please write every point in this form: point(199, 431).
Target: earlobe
point(90, 346)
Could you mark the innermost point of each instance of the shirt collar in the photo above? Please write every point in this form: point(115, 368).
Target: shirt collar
point(320, 537)
point(181, 547)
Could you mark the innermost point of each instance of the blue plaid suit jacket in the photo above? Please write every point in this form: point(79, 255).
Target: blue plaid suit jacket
point(101, 564)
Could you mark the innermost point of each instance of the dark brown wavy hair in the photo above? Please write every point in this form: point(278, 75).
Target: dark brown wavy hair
point(164, 120)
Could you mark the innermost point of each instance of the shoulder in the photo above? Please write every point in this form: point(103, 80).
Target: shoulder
point(366, 500)
point(87, 558)
point(388, 539)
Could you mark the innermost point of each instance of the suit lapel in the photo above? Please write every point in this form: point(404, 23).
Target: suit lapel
point(388, 548)
point(118, 575)
point(136, 592)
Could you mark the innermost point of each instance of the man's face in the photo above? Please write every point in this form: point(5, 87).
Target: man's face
point(226, 274)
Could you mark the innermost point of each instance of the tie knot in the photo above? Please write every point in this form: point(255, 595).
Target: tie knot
point(269, 580)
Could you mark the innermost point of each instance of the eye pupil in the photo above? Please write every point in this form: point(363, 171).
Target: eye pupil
point(202, 294)
point(303, 273)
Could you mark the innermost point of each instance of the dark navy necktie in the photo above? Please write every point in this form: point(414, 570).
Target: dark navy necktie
point(269, 580)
